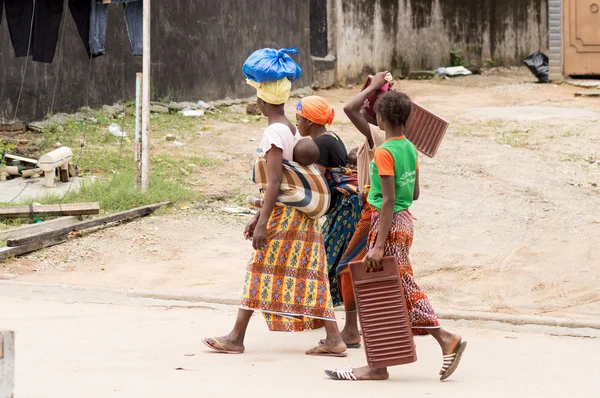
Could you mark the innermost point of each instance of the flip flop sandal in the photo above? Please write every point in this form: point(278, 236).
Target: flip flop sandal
point(354, 345)
point(218, 347)
point(323, 352)
point(346, 373)
point(451, 361)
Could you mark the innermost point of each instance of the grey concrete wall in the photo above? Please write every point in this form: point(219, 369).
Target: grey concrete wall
point(418, 34)
point(198, 50)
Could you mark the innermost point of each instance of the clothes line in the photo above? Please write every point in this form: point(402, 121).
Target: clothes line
point(34, 25)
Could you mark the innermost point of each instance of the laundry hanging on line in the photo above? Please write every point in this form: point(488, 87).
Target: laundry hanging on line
point(34, 25)
point(99, 23)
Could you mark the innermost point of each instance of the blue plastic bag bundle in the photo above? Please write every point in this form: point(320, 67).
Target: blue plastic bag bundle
point(268, 64)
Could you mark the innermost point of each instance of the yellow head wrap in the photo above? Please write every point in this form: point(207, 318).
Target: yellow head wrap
point(276, 93)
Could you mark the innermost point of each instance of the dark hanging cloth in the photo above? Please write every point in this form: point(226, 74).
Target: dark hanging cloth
point(80, 11)
point(41, 41)
point(18, 18)
point(46, 24)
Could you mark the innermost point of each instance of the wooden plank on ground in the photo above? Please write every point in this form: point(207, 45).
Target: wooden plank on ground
point(20, 158)
point(30, 229)
point(9, 252)
point(7, 363)
point(80, 226)
point(67, 209)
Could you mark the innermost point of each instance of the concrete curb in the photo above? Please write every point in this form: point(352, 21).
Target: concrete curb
point(518, 319)
point(442, 314)
point(100, 295)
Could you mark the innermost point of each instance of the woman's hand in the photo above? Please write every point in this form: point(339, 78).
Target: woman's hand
point(378, 80)
point(374, 256)
point(259, 238)
point(249, 229)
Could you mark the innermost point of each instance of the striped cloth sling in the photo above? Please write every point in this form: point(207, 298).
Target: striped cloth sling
point(302, 187)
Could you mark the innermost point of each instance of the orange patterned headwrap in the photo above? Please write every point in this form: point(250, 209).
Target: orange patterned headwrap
point(316, 109)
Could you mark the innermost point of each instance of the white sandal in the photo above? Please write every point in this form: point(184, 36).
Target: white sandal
point(345, 373)
point(451, 361)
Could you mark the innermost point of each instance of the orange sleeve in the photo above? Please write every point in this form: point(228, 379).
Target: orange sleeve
point(384, 162)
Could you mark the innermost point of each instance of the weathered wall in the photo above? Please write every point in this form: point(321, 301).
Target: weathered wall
point(392, 34)
point(198, 48)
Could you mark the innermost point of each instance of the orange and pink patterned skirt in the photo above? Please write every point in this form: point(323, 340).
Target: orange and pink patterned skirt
point(398, 243)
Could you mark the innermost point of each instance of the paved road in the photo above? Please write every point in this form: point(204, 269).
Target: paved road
point(86, 344)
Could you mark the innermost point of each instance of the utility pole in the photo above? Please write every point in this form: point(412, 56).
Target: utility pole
point(146, 83)
point(138, 131)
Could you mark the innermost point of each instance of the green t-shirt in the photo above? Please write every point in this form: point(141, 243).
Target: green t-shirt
point(396, 157)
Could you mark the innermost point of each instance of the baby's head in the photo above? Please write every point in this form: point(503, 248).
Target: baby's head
point(306, 152)
point(353, 157)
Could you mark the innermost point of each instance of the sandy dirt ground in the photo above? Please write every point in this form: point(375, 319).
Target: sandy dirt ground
point(97, 345)
point(508, 220)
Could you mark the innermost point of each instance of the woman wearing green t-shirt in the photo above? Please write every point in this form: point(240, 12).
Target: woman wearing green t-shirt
point(394, 185)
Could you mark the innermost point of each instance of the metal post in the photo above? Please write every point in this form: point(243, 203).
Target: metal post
point(7, 363)
point(146, 100)
point(138, 131)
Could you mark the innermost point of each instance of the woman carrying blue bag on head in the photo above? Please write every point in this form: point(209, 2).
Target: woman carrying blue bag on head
point(286, 278)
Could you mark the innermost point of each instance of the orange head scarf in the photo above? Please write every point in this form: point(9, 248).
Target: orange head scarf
point(316, 109)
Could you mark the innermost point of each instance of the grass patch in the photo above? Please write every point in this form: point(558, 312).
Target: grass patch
point(514, 138)
point(104, 156)
point(120, 194)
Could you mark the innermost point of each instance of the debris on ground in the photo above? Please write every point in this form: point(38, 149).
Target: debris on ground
point(115, 130)
point(179, 106)
point(66, 209)
point(453, 71)
point(538, 65)
point(60, 233)
point(157, 107)
point(178, 143)
point(12, 128)
point(238, 210)
point(203, 105)
point(20, 159)
point(192, 112)
point(14, 166)
point(170, 137)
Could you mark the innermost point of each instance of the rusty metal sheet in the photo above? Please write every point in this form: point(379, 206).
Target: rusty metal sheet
point(383, 314)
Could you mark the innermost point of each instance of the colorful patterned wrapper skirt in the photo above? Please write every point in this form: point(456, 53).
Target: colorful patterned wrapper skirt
point(356, 251)
point(398, 244)
point(338, 229)
point(288, 279)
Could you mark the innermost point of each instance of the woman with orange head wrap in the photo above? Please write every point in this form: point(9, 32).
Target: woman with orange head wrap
point(313, 114)
point(316, 109)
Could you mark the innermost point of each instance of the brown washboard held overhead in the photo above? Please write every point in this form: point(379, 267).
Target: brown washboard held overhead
point(383, 314)
point(425, 130)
